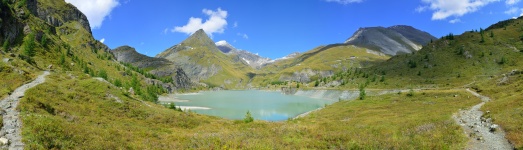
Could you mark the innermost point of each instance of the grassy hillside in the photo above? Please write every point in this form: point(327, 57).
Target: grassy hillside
point(488, 61)
point(334, 58)
point(452, 61)
point(86, 113)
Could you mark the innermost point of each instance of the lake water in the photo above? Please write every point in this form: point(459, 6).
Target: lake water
point(263, 105)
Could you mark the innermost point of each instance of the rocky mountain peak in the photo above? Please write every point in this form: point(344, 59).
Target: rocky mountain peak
point(392, 40)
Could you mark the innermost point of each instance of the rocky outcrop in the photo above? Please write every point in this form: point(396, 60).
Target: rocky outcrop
point(182, 80)
point(57, 15)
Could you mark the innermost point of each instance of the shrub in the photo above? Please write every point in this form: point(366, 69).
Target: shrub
point(362, 92)
point(503, 60)
point(102, 74)
point(412, 64)
point(117, 83)
point(411, 93)
point(62, 60)
point(248, 117)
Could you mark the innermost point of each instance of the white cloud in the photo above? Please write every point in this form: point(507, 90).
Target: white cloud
point(511, 2)
point(345, 2)
point(215, 24)
point(102, 40)
point(421, 8)
point(95, 10)
point(243, 35)
point(453, 21)
point(457, 8)
point(513, 10)
point(235, 24)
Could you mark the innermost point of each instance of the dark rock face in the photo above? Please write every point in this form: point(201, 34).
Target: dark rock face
point(182, 80)
point(10, 27)
point(128, 54)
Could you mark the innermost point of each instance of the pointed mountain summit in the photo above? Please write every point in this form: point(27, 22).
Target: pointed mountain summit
point(391, 41)
point(203, 62)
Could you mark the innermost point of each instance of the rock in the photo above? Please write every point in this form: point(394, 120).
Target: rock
point(50, 67)
point(131, 90)
point(493, 127)
point(503, 81)
point(455, 95)
point(6, 60)
point(4, 141)
point(12, 55)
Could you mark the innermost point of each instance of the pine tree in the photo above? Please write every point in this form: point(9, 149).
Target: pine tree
point(29, 45)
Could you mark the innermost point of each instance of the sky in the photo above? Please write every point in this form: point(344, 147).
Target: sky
point(276, 28)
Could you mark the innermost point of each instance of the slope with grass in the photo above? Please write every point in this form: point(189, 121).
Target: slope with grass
point(485, 60)
point(452, 61)
point(89, 114)
point(320, 62)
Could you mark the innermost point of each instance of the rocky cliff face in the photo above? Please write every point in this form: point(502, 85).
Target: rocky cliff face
point(11, 26)
point(56, 14)
point(392, 41)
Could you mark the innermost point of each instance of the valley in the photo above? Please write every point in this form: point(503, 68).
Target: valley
point(394, 87)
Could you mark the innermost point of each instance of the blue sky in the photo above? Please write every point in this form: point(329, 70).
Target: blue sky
point(275, 28)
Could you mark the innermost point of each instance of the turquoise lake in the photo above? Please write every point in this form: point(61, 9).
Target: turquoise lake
point(263, 105)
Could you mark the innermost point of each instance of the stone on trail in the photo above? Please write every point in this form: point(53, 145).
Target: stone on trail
point(4, 141)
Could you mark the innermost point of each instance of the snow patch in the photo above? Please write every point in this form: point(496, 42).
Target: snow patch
point(248, 62)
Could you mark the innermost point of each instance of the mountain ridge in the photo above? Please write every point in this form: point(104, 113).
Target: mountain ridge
point(392, 40)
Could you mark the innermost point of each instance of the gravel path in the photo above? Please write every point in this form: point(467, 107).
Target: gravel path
point(11, 132)
point(482, 133)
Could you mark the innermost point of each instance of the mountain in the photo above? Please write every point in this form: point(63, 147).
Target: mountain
point(391, 41)
point(128, 54)
point(225, 47)
point(159, 67)
point(203, 62)
point(253, 60)
point(320, 62)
